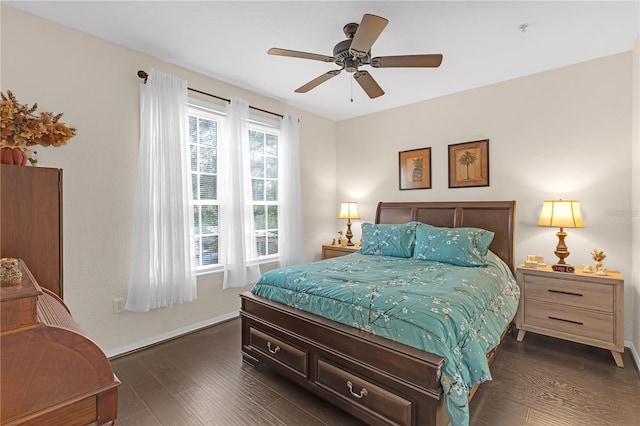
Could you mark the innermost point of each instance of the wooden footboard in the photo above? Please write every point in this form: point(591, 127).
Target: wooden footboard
point(377, 380)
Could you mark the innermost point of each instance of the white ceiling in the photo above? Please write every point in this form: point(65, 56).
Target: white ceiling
point(481, 41)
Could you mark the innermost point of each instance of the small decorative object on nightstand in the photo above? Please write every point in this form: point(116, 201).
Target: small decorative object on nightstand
point(598, 257)
point(580, 307)
point(330, 250)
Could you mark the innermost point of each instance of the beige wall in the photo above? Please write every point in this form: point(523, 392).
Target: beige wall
point(94, 83)
point(559, 134)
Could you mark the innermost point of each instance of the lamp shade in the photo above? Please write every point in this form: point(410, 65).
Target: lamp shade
point(561, 214)
point(348, 210)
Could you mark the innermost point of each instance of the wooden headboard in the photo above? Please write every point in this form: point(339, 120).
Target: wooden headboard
point(496, 216)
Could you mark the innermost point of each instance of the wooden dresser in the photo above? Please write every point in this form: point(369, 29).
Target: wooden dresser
point(31, 221)
point(50, 373)
point(581, 307)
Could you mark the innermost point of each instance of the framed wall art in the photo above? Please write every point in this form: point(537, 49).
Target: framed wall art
point(415, 169)
point(469, 164)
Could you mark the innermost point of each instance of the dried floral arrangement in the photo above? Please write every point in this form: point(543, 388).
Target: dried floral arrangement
point(21, 127)
point(598, 256)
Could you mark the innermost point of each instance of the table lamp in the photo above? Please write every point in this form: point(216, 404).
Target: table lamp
point(561, 214)
point(349, 210)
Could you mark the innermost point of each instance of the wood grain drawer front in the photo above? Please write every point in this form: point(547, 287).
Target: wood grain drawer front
point(328, 253)
point(578, 322)
point(571, 293)
point(280, 351)
point(79, 413)
point(391, 408)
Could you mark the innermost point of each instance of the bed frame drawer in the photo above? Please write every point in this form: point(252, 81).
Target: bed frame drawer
point(285, 354)
point(389, 407)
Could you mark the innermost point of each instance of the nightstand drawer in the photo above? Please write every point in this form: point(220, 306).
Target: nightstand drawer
point(329, 253)
point(591, 324)
point(571, 293)
point(329, 250)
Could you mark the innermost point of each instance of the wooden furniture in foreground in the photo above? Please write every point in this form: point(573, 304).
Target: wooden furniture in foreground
point(580, 307)
point(377, 380)
point(50, 373)
point(31, 221)
point(334, 250)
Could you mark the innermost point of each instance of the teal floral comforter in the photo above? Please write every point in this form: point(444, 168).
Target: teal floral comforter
point(456, 312)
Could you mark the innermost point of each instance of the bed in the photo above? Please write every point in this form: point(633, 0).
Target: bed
point(369, 371)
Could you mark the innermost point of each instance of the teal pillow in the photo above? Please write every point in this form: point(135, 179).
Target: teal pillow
point(457, 246)
point(389, 239)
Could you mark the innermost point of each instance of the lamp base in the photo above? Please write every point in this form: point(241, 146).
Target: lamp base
point(561, 249)
point(349, 234)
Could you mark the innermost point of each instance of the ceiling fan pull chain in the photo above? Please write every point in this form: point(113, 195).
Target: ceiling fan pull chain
point(351, 90)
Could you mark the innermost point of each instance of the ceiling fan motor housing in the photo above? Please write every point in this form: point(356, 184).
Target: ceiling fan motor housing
point(346, 59)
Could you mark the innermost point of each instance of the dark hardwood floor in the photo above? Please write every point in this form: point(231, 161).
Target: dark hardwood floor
point(199, 379)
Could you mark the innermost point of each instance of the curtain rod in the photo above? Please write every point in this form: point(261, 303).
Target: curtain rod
point(143, 75)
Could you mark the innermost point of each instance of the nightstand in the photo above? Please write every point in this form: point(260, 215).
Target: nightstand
point(330, 250)
point(580, 307)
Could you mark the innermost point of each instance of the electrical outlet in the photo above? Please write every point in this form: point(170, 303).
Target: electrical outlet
point(118, 305)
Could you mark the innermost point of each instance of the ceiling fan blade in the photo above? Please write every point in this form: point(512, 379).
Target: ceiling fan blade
point(317, 81)
point(368, 84)
point(367, 33)
point(297, 54)
point(426, 61)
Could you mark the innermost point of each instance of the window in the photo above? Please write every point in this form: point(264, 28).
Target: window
point(205, 130)
point(264, 187)
point(204, 134)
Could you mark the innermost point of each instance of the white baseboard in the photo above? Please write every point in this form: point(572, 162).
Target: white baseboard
point(170, 335)
point(634, 352)
point(212, 321)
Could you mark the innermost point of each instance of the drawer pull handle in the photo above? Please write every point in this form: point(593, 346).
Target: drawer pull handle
point(564, 292)
point(360, 395)
point(274, 350)
point(566, 320)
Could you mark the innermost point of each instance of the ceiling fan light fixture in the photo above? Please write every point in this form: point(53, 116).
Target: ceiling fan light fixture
point(351, 65)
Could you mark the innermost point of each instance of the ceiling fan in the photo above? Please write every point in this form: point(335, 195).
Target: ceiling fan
point(355, 51)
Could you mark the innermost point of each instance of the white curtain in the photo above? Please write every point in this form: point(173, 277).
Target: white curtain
point(163, 264)
point(291, 231)
point(237, 239)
